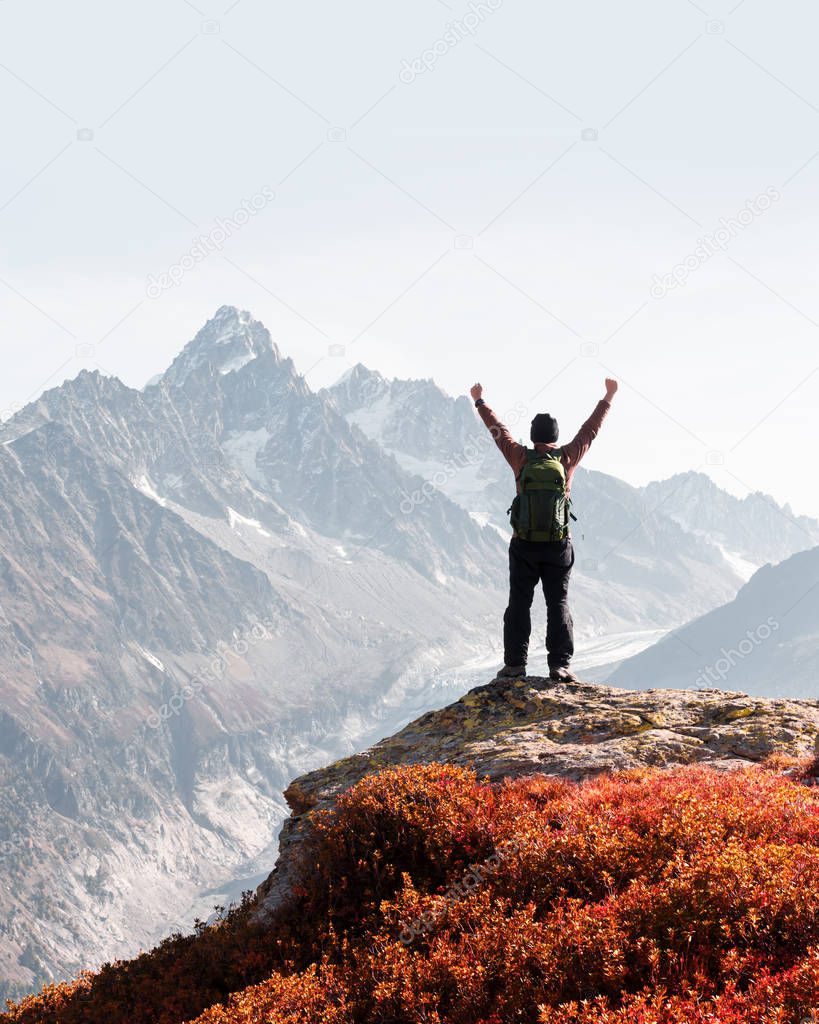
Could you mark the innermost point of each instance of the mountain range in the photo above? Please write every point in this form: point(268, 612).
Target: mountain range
point(190, 575)
point(224, 579)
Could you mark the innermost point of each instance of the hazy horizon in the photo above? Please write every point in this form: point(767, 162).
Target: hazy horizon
point(495, 192)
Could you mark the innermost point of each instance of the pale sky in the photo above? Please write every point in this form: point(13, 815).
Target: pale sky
point(499, 215)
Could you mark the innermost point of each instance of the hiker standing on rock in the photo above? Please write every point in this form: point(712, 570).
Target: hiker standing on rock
point(541, 546)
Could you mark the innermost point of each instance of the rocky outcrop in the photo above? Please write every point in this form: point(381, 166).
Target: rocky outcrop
point(522, 727)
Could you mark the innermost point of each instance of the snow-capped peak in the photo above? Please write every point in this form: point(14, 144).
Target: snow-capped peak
point(358, 386)
point(357, 373)
point(227, 342)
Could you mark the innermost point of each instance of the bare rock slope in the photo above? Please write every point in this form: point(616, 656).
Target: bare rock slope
point(522, 727)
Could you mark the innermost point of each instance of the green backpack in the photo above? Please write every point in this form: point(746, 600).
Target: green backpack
point(541, 511)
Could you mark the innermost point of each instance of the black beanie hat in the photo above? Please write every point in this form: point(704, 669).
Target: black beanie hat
point(544, 428)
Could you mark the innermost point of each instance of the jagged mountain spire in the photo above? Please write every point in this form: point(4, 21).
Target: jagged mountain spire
point(228, 341)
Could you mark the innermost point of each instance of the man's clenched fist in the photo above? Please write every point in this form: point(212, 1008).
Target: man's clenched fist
point(611, 388)
point(476, 391)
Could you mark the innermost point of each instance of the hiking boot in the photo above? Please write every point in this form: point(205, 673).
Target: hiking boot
point(562, 674)
point(512, 672)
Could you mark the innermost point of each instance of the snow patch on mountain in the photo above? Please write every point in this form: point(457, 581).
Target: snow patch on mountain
point(144, 485)
point(742, 566)
point(461, 481)
point(150, 658)
point(236, 521)
point(371, 420)
point(243, 448)
point(236, 363)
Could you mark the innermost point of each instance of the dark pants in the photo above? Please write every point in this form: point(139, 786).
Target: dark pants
point(550, 563)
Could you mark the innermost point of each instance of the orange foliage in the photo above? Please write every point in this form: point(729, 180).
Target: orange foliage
point(649, 897)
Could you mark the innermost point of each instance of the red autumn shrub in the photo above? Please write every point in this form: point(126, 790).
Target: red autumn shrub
point(299, 999)
point(649, 897)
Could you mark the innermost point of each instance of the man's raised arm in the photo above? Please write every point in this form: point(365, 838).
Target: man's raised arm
point(514, 453)
point(574, 451)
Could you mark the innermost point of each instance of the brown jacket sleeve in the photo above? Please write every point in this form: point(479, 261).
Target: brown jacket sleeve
point(574, 451)
point(514, 453)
